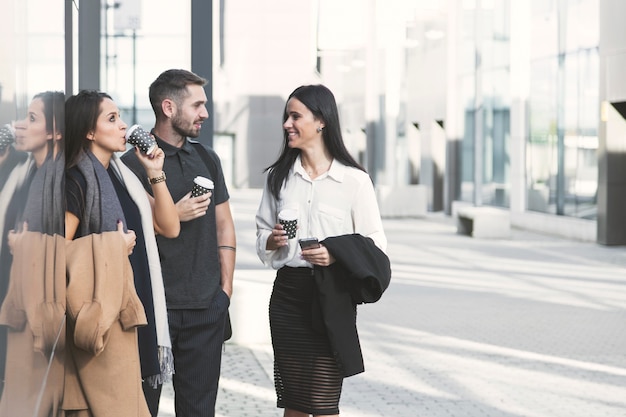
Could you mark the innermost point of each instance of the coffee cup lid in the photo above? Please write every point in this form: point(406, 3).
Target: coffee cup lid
point(204, 182)
point(131, 129)
point(288, 214)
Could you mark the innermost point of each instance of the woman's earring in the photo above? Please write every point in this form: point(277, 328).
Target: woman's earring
point(319, 129)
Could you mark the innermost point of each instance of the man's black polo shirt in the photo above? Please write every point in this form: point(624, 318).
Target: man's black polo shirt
point(190, 262)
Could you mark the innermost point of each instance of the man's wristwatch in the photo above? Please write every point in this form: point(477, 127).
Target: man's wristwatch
point(158, 179)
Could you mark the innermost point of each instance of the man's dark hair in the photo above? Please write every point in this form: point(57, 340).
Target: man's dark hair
point(172, 84)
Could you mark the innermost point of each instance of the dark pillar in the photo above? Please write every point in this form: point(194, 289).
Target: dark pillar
point(375, 143)
point(89, 45)
point(202, 57)
point(69, 48)
point(438, 157)
point(452, 180)
point(612, 129)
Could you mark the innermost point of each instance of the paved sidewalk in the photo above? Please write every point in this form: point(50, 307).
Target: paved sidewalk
point(531, 326)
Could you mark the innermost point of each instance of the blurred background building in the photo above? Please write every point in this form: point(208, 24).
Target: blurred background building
point(513, 104)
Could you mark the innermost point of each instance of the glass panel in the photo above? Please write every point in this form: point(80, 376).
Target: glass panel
point(542, 149)
point(581, 24)
point(544, 23)
point(132, 59)
point(494, 104)
point(496, 132)
point(467, 102)
point(32, 79)
point(563, 174)
point(581, 135)
point(467, 144)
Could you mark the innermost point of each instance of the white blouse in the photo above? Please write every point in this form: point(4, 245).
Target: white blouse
point(338, 202)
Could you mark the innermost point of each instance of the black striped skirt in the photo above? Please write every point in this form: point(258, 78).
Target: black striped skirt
point(306, 376)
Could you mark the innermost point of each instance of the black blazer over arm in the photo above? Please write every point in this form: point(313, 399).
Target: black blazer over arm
point(361, 274)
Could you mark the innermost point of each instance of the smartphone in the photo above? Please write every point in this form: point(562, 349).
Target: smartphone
point(309, 243)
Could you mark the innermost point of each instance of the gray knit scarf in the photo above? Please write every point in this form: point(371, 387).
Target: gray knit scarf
point(102, 207)
point(44, 208)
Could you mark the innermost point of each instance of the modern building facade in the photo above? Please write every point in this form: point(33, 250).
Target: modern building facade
point(517, 105)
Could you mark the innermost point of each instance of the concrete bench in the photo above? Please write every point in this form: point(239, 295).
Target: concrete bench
point(483, 222)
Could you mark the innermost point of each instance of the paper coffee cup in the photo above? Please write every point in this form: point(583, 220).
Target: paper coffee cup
point(201, 186)
point(288, 218)
point(137, 136)
point(7, 136)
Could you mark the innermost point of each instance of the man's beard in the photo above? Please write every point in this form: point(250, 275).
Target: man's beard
point(177, 125)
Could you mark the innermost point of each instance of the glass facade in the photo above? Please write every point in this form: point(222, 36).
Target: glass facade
point(562, 170)
point(33, 54)
point(484, 77)
point(391, 86)
point(32, 81)
point(560, 102)
point(562, 125)
point(135, 51)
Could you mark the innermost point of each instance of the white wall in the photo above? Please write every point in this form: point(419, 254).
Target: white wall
point(269, 51)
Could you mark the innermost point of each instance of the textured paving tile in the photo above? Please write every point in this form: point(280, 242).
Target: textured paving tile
point(531, 326)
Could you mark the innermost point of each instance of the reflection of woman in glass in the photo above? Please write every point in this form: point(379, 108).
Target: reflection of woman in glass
point(9, 156)
point(107, 205)
point(39, 134)
point(31, 198)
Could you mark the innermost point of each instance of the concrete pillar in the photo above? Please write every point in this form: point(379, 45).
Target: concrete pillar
point(373, 128)
point(612, 129)
point(479, 109)
point(393, 43)
point(520, 79)
point(438, 152)
point(453, 129)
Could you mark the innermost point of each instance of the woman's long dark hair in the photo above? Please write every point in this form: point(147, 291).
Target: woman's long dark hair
point(81, 117)
point(321, 102)
point(53, 109)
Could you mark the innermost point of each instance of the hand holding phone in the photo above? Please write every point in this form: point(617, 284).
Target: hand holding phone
point(309, 243)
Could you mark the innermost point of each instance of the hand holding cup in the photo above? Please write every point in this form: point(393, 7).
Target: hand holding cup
point(190, 207)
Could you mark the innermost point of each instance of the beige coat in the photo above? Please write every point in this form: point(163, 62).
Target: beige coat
point(103, 376)
point(34, 311)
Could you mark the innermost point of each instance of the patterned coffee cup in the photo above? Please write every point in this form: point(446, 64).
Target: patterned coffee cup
point(288, 218)
point(7, 136)
point(201, 186)
point(137, 136)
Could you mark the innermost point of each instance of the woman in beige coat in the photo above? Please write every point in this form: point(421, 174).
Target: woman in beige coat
point(107, 208)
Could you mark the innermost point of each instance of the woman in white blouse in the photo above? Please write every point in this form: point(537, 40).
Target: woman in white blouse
point(333, 196)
